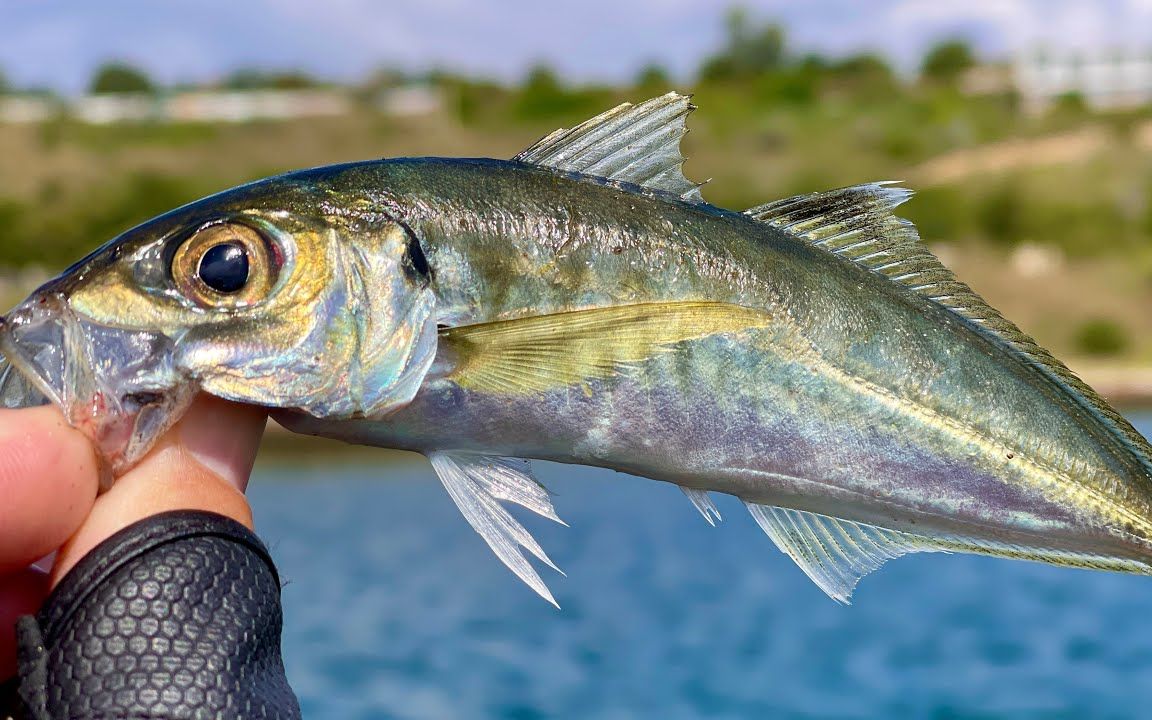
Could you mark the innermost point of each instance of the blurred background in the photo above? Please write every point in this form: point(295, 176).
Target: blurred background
point(1024, 126)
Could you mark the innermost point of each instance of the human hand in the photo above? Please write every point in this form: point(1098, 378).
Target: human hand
point(49, 479)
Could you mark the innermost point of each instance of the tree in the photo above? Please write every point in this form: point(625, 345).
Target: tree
point(749, 51)
point(947, 61)
point(864, 73)
point(390, 77)
point(251, 79)
point(862, 65)
point(653, 76)
point(4, 87)
point(119, 77)
point(759, 51)
point(541, 95)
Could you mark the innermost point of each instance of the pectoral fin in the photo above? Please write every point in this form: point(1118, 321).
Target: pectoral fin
point(543, 352)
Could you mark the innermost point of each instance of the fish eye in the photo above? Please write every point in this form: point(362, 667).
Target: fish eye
point(224, 265)
point(224, 268)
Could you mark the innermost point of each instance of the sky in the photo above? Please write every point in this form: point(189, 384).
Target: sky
point(58, 43)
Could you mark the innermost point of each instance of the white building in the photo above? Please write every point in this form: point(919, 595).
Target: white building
point(211, 106)
point(118, 108)
point(246, 105)
point(218, 105)
point(203, 106)
point(1113, 79)
point(19, 109)
point(410, 101)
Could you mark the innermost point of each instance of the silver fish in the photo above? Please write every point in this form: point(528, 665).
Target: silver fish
point(582, 303)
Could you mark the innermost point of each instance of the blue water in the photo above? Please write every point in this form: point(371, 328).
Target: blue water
point(396, 609)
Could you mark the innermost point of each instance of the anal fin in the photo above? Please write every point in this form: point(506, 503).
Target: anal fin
point(477, 484)
point(835, 553)
point(703, 502)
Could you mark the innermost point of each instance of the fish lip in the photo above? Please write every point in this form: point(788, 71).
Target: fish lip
point(15, 355)
point(16, 390)
point(59, 312)
point(115, 385)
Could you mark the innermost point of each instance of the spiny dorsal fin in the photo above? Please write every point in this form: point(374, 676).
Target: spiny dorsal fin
point(544, 352)
point(477, 483)
point(703, 502)
point(632, 143)
point(857, 223)
point(834, 553)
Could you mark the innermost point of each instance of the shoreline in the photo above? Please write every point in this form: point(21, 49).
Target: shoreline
point(1128, 387)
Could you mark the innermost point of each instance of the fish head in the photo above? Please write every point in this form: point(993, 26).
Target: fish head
point(282, 294)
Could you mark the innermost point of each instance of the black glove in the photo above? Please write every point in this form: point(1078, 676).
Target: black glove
point(176, 616)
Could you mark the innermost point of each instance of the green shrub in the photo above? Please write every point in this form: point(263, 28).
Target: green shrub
point(12, 220)
point(1001, 214)
point(544, 96)
point(1101, 337)
point(118, 77)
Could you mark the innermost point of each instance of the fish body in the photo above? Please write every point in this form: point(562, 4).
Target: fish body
point(851, 396)
point(582, 304)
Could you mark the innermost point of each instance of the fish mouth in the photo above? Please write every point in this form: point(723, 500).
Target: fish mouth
point(16, 390)
point(118, 386)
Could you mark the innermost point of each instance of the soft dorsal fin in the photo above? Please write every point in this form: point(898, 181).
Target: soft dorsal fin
point(854, 222)
point(632, 143)
point(545, 352)
point(834, 553)
point(857, 223)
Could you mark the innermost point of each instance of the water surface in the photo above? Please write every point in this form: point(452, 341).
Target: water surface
point(396, 609)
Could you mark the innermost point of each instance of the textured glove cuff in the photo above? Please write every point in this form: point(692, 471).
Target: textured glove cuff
point(177, 616)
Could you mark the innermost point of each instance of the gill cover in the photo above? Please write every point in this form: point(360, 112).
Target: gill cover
point(346, 331)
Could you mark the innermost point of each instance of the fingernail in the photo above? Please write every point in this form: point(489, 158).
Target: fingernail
point(223, 437)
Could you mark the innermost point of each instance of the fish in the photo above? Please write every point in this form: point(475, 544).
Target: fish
point(582, 303)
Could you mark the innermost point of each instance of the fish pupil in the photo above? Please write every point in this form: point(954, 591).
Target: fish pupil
point(224, 267)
